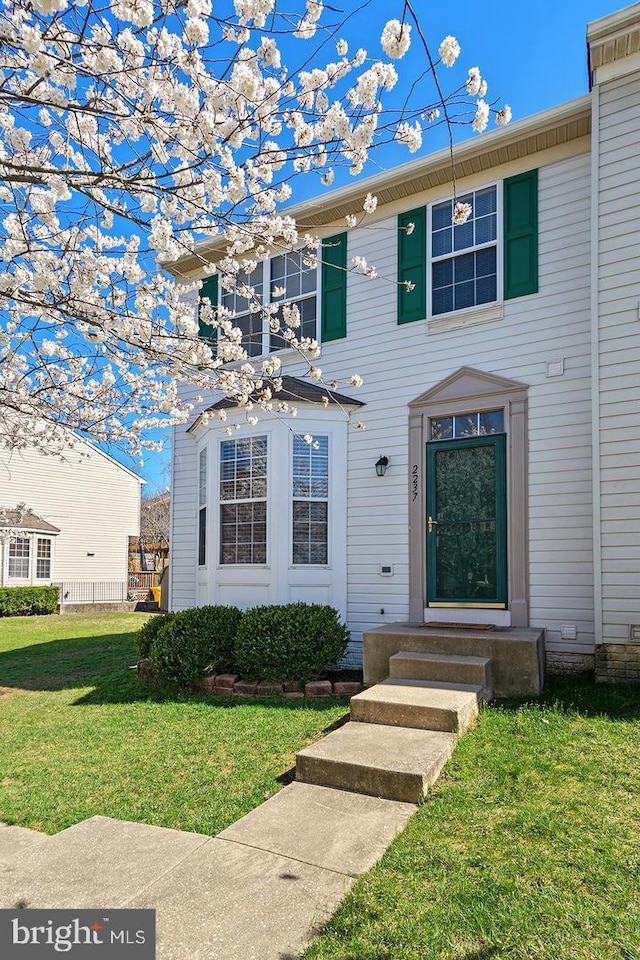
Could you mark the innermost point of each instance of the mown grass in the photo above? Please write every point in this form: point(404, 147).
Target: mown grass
point(528, 848)
point(81, 735)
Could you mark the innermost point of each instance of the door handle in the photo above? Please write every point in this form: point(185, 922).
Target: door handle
point(431, 523)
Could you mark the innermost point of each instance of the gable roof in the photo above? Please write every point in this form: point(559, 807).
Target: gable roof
point(27, 521)
point(294, 390)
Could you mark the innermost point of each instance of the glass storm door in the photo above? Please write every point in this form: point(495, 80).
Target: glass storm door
point(466, 522)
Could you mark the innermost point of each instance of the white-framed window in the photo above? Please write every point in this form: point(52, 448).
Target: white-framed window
point(19, 558)
point(310, 501)
point(282, 279)
point(43, 558)
point(244, 310)
point(299, 281)
point(202, 507)
point(465, 261)
point(243, 500)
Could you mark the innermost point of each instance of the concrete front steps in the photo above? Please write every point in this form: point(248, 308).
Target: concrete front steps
point(402, 731)
point(476, 671)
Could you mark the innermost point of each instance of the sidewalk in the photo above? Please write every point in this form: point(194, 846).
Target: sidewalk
point(260, 890)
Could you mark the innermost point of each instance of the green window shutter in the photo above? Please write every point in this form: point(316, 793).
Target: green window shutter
point(412, 266)
point(333, 324)
point(206, 332)
point(521, 235)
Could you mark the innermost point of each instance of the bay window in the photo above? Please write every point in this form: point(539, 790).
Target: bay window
point(243, 500)
point(310, 490)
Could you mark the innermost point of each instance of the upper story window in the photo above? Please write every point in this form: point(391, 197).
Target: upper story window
point(245, 310)
point(284, 279)
point(294, 282)
point(464, 258)
point(19, 558)
point(445, 268)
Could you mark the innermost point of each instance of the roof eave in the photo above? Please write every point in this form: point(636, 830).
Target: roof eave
point(550, 128)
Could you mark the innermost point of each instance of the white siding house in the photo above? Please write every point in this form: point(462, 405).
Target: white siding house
point(503, 392)
point(85, 506)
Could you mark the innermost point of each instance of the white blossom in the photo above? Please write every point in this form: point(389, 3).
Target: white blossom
point(503, 117)
point(449, 51)
point(481, 119)
point(461, 213)
point(370, 203)
point(474, 82)
point(410, 135)
point(396, 39)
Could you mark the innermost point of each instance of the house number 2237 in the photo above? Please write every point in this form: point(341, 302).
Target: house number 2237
point(414, 481)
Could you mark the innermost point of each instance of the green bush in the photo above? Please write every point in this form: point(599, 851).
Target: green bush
point(193, 642)
point(295, 641)
point(27, 601)
point(148, 631)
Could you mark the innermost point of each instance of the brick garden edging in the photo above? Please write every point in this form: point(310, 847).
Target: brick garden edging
point(232, 684)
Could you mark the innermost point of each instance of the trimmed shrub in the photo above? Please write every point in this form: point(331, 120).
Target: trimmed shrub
point(194, 642)
point(294, 641)
point(148, 632)
point(27, 601)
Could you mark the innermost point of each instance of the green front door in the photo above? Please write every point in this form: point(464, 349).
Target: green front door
point(466, 522)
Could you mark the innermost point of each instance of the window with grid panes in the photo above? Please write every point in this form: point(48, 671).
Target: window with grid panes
point(19, 556)
point(310, 500)
point(243, 500)
point(464, 258)
point(202, 507)
point(43, 558)
point(298, 282)
point(244, 310)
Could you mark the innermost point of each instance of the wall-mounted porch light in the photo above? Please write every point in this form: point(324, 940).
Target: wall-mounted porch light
point(381, 466)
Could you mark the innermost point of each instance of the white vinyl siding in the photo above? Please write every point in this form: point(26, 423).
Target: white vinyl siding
point(619, 354)
point(92, 501)
point(555, 323)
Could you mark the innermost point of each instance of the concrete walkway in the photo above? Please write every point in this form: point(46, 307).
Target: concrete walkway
point(259, 891)
point(266, 885)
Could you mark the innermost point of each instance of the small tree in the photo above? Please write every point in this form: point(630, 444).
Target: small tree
point(134, 132)
point(154, 527)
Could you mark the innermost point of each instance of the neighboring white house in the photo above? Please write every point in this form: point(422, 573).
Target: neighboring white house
point(502, 394)
point(82, 508)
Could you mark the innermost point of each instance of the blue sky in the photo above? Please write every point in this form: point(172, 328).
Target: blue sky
point(533, 57)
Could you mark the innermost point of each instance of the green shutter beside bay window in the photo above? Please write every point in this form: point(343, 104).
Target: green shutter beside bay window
point(412, 266)
point(521, 235)
point(334, 288)
point(209, 290)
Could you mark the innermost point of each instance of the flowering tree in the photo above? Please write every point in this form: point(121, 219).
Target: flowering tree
point(133, 133)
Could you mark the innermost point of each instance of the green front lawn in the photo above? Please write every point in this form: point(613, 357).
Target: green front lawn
point(528, 848)
point(80, 734)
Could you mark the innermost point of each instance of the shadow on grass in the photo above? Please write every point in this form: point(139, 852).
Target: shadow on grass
point(104, 663)
point(570, 696)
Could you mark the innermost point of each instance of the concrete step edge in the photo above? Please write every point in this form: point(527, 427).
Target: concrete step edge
point(440, 657)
